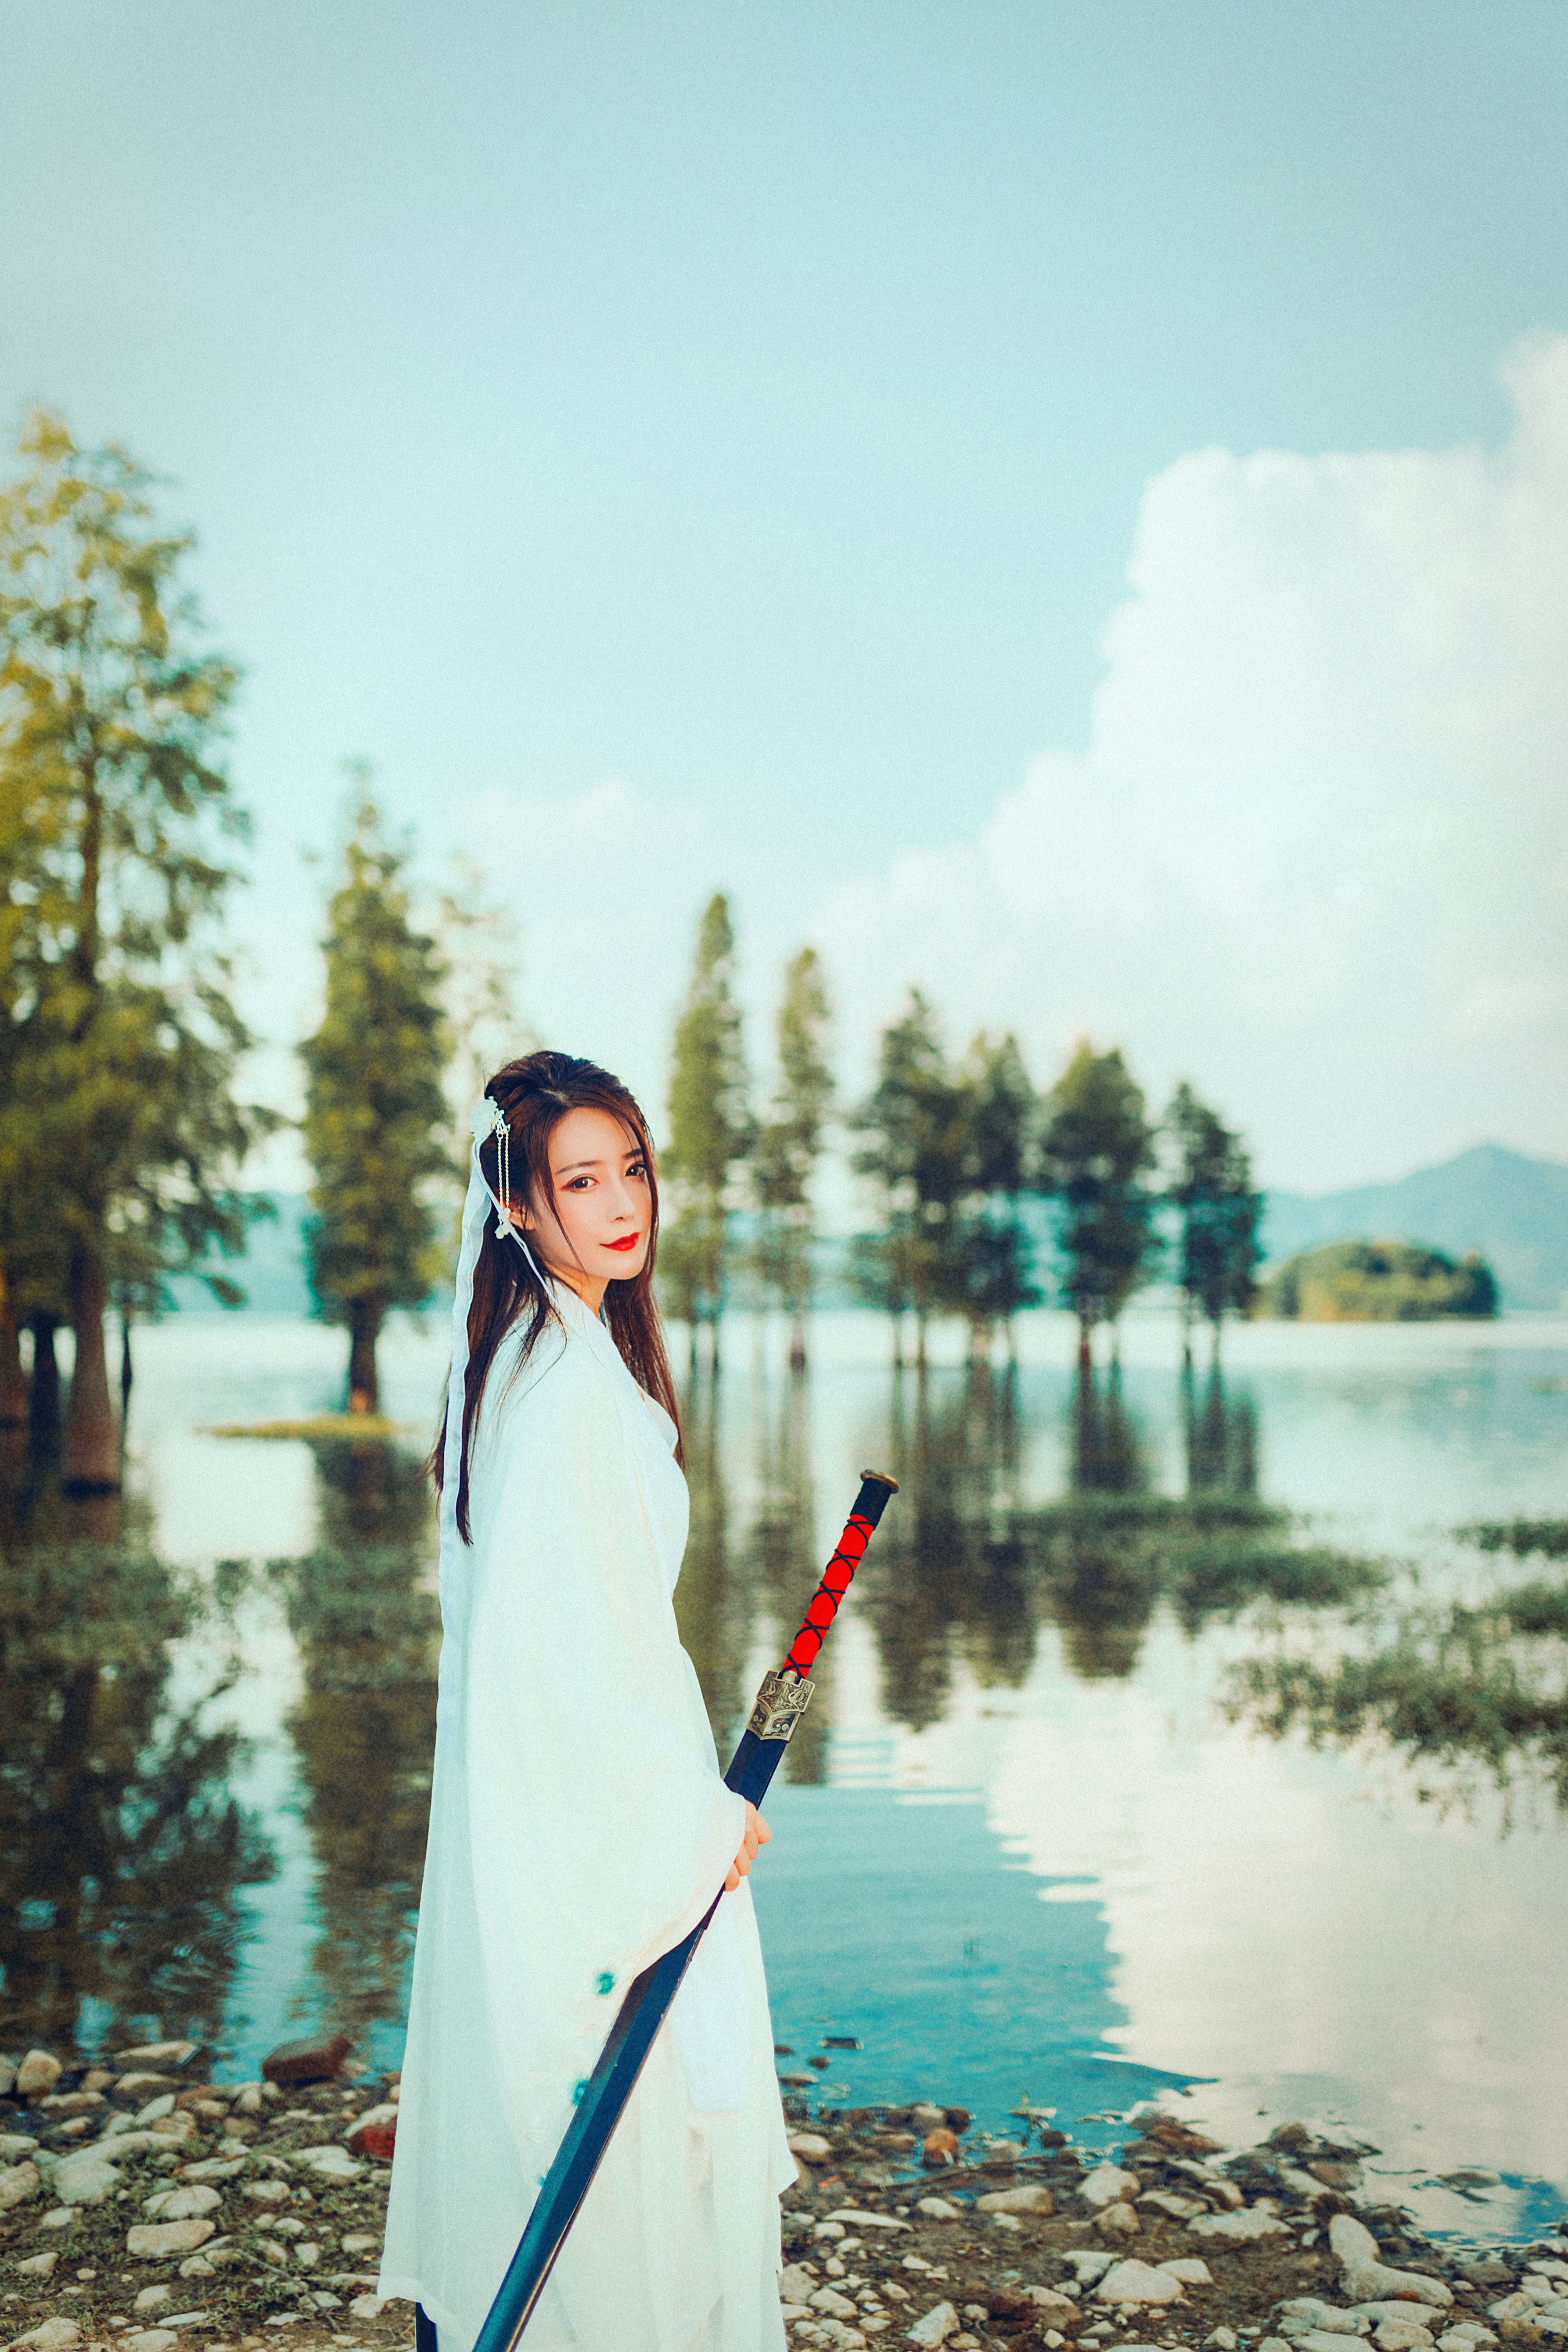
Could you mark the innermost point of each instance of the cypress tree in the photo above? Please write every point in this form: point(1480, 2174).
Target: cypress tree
point(1212, 1189)
point(118, 1129)
point(915, 1123)
point(788, 1145)
point(710, 1131)
point(375, 1112)
point(1095, 1156)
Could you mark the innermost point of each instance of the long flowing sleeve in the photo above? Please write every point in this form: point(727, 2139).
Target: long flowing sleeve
point(600, 1827)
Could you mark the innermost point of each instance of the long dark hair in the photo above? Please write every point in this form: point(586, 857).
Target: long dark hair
point(534, 1095)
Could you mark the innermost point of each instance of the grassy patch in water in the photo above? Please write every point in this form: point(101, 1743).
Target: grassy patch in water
point(320, 1427)
point(1521, 1537)
point(1479, 1684)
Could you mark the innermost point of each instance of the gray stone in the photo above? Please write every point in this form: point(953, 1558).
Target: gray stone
point(53, 2336)
point(14, 2143)
point(85, 2179)
point(18, 2184)
point(1134, 2281)
point(7, 2077)
point(810, 2146)
point(1049, 2299)
point(331, 2163)
point(1032, 2200)
point(1396, 2307)
point(853, 2213)
point(61, 2217)
point(269, 2192)
point(1402, 2335)
point(38, 2265)
point(38, 2071)
point(1191, 2269)
point(1108, 2184)
point(214, 2168)
point(155, 2240)
point(1367, 2278)
point(152, 2339)
point(154, 2111)
point(938, 2209)
point(1253, 2222)
point(1089, 2263)
point(1178, 2209)
point(157, 2053)
point(936, 2325)
point(151, 2298)
point(1119, 2221)
point(828, 2299)
point(367, 2307)
point(796, 2283)
point(180, 2204)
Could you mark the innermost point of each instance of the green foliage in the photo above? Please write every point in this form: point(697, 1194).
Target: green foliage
point(916, 1151)
point(118, 1037)
point(1095, 1157)
point(787, 1144)
point(1378, 1282)
point(375, 1112)
point(709, 1128)
point(1220, 1213)
point(992, 1256)
point(1457, 1687)
point(1521, 1537)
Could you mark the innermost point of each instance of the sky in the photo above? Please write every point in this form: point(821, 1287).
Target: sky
point(1066, 506)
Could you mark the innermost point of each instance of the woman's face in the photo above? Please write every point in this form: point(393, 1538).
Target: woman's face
point(600, 1195)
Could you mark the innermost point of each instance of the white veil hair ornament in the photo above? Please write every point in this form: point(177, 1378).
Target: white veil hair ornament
point(487, 1120)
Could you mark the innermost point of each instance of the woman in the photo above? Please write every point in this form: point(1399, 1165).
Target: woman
point(578, 1821)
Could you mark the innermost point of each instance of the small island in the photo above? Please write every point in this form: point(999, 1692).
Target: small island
point(1378, 1282)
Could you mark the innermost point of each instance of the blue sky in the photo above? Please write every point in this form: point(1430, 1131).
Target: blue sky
point(704, 446)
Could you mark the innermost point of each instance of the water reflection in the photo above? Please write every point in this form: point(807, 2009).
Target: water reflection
point(122, 1850)
point(363, 1611)
point(781, 1565)
point(1471, 1689)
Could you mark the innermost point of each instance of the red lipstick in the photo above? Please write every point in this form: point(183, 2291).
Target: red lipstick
point(630, 1242)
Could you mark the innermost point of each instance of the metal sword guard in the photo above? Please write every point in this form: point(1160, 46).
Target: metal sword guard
point(782, 1700)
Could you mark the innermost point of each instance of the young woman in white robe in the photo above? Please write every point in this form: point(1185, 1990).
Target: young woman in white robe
point(579, 1824)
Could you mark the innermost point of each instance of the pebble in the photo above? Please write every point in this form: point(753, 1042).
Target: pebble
point(938, 2209)
point(367, 2307)
point(1365, 2276)
point(940, 2323)
point(811, 2146)
point(18, 2184)
point(940, 2145)
point(331, 2163)
point(180, 2204)
point(1108, 2184)
point(1252, 2221)
point(1032, 2200)
point(38, 2071)
point(319, 2060)
point(151, 2298)
point(38, 2265)
point(14, 2143)
point(152, 2339)
point(61, 2217)
point(157, 2054)
point(52, 2336)
point(7, 2077)
point(1119, 2221)
point(151, 2241)
point(1134, 2281)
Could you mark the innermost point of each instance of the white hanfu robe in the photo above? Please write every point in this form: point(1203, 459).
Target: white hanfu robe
point(579, 1826)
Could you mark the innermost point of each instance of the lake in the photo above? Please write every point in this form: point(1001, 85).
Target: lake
point(1167, 1747)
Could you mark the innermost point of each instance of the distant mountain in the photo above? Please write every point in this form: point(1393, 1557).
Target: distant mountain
point(1514, 1211)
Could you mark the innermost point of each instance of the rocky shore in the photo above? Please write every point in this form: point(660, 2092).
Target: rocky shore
point(145, 2208)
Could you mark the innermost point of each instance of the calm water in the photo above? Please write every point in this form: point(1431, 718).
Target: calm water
point(1054, 1828)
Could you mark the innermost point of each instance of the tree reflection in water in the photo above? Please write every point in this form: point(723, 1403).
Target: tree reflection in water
point(711, 1603)
point(122, 1851)
point(782, 1567)
point(964, 1568)
point(363, 1610)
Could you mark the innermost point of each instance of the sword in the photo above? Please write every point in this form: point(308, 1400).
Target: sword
point(781, 1701)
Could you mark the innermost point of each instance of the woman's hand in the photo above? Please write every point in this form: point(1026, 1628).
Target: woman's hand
point(757, 1833)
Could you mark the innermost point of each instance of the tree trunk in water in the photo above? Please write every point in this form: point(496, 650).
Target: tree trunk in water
point(713, 1345)
point(1085, 1361)
point(798, 1343)
point(44, 1395)
point(127, 1371)
point(13, 1379)
point(91, 1464)
point(364, 1328)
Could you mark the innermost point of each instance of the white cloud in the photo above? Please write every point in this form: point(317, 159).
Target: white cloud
point(1315, 855)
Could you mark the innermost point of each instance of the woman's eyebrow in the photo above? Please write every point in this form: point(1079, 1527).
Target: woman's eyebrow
point(572, 1167)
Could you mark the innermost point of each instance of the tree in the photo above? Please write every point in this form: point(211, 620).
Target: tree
point(915, 1120)
point(375, 1112)
point(478, 946)
point(1095, 1155)
point(1220, 1213)
point(118, 1131)
point(788, 1145)
point(709, 1131)
point(993, 1256)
